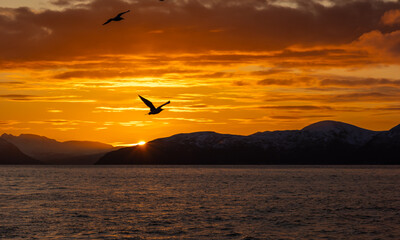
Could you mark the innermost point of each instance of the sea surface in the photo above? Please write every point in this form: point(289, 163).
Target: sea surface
point(199, 202)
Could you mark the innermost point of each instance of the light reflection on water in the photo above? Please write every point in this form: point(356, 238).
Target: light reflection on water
point(192, 202)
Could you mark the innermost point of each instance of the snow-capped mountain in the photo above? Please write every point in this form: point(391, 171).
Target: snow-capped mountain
point(326, 142)
point(344, 131)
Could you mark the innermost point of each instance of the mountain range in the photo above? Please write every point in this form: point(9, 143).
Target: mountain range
point(49, 151)
point(10, 154)
point(325, 142)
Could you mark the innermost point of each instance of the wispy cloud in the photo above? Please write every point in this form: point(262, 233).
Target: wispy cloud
point(198, 120)
point(284, 82)
point(54, 111)
point(34, 98)
point(62, 122)
point(357, 82)
point(119, 109)
point(10, 83)
point(9, 122)
point(302, 108)
point(292, 117)
point(135, 123)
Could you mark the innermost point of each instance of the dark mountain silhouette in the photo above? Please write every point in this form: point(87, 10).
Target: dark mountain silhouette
point(326, 142)
point(51, 151)
point(10, 154)
point(385, 145)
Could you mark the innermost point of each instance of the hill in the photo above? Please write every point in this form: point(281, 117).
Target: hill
point(10, 154)
point(326, 142)
point(51, 151)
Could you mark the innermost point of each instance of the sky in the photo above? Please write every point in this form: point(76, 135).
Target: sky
point(228, 66)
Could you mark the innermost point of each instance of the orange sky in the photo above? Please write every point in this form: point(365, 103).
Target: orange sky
point(228, 66)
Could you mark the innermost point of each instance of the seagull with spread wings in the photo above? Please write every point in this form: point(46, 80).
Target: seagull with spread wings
point(153, 110)
point(116, 18)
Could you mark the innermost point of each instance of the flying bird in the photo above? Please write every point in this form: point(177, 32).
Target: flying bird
point(116, 18)
point(153, 110)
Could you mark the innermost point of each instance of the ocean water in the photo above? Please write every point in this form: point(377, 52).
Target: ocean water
point(199, 202)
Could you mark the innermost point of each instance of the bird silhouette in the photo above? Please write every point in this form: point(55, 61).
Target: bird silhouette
point(116, 18)
point(153, 110)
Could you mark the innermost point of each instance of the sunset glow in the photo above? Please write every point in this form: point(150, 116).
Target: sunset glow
point(227, 66)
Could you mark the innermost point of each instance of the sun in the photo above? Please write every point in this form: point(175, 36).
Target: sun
point(141, 143)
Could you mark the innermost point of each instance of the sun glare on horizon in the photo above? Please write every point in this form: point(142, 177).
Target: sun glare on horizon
point(119, 144)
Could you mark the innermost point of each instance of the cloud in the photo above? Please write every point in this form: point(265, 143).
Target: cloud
point(270, 72)
point(107, 74)
point(296, 80)
point(283, 82)
point(384, 45)
point(34, 98)
point(119, 109)
point(357, 82)
point(267, 119)
point(9, 122)
point(64, 129)
point(62, 122)
point(247, 25)
point(57, 122)
point(198, 120)
point(11, 83)
point(351, 97)
point(240, 83)
point(135, 123)
point(61, 2)
point(388, 108)
point(198, 106)
point(17, 97)
point(312, 53)
point(391, 17)
point(292, 117)
point(212, 75)
point(367, 96)
point(301, 108)
point(54, 111)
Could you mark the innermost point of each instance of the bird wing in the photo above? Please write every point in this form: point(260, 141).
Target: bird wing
point(148, 103)
point(109, 20)
point(164, 104)
point(120, 14)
